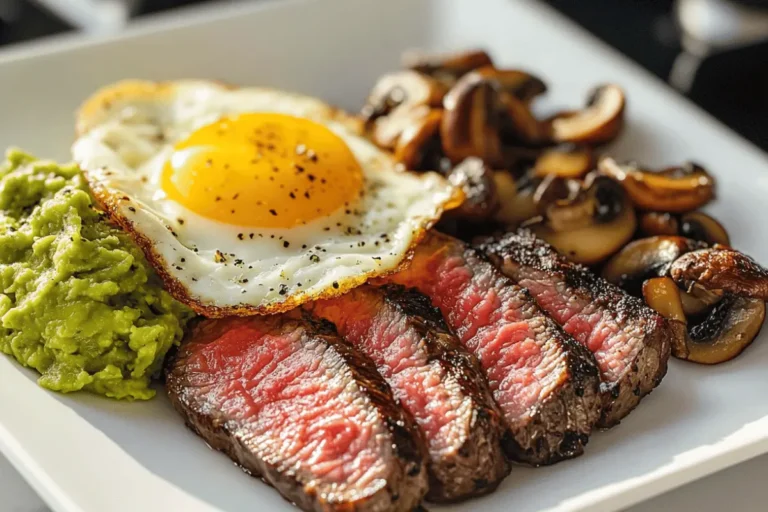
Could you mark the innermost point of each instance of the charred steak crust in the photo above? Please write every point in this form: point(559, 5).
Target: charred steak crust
point(545, 383)
point(402, 481)
point(425, 364)
point(631, 342)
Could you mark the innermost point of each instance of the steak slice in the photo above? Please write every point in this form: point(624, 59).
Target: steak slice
point(630, 341)
point(288, 400)
point(435, 380)
point(545, 382)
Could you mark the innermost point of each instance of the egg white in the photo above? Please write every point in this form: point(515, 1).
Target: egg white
point(219, 268)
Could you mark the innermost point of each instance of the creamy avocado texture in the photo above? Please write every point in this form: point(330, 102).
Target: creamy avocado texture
point(78, 301)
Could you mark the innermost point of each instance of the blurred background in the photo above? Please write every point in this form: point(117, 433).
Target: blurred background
point(713, 51)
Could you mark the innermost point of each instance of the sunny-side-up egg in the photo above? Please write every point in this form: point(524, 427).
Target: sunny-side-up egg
point(250, 200)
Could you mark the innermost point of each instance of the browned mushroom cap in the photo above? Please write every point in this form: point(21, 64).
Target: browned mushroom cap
point(721, 268)
point(659, 223)
point(676, 190)
point(552, 192)
point(519, 84)
point(418, 144)
point(593, 225)
point(481, 199)
point(446, 67)
point(386, 131)
point(697, 299)
point(479, 117)
point(519, 124)
point(402, 89)
point(515, 198)
point(703, 227)
point(730, 326)
point(694, 225)
point(565, 161)
point(599, 123)
point(645, 258)
point(470, 125)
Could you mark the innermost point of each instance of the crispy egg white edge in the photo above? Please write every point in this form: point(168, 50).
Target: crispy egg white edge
point(218, 288)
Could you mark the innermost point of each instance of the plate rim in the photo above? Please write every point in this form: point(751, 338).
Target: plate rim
point(746, 443)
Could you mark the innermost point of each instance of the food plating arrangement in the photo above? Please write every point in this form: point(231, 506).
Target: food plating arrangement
point(369, 310)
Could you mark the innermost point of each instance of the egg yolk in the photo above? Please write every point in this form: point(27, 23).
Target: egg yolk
point(263, 170)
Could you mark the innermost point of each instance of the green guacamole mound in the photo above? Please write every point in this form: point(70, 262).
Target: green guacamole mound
point(78, 301)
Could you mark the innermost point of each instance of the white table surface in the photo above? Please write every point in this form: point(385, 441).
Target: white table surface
point(738, 489)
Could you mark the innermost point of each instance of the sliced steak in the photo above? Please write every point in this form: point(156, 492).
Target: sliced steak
point(291, 402)
point(435, 379)
point(630, 341)
point(545, 382)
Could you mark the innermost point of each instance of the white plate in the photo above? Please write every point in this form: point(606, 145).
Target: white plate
point(86, 453)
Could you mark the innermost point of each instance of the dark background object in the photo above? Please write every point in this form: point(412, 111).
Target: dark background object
point(732, 85)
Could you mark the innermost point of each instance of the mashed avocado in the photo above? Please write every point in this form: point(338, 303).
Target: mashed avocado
point(78, 301)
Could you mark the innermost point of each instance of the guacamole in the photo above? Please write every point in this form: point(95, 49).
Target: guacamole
point(78, 301)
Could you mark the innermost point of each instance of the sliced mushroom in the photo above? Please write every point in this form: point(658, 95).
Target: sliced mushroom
point(676, 190)
point(730, 326)
point(519, 124)
point(402, 90)
point(599, 123)
point(400, 101)
point(720, 268)
point(516, 200)
point(695, 225)
point(566, 161)
point(519, 84)
point(593, 225)
point(471, 122)
point(697, 299)
point(480, 119)
point(659, 224)
point(481, 199)
point(700, 226)
point(663, 295)
point(645, 258)
point(554, 192)
point(446, 67)
point(418, 145)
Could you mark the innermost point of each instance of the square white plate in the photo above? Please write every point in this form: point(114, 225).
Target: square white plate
point(86, 453)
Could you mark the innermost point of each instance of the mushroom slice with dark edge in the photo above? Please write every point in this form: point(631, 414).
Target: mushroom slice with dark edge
point(418, 145)
point(445, 67)
point(397, 101)
point(730, 327)
point(402, 89)
point(480, 118)
point(519, 84)
point(600, 122)
point(694, 225)
point(696, 299)
point(645, 258)
point(659, 224)
point(703, 227)
point(515, 198)
point(481, 199)
point(551, 190)
point(720, 268)
point(677, 189)
point(566, 161)
point(590, 227)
